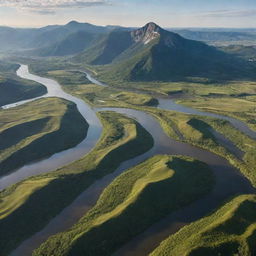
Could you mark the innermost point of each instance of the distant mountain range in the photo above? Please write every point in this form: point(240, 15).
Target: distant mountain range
point(148, 53)
point(45, 40)
point(51, 40)
point(219, 37)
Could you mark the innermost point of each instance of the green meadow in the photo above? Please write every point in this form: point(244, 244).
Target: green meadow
point(243, 108)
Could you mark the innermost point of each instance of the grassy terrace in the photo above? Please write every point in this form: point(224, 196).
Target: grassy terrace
point(229, 231)
point(36, 130)
point(13, 88)
point(131, 203)
point(25, 203)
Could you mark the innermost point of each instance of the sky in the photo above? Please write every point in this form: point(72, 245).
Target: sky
point(166, 13)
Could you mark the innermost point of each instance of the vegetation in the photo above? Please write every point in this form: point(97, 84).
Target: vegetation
point(247, 52)
point(177, 125)
point(154, 54)
point(189, 88)
point(38, 129)
point(73, 43)
point(50, 40)
point(13, 89)
point(67, 78)
point(76, 83)
point(146, 193)
point(29, 212)
point(243, 108)
point(134, 200)
point(197, 130)
point(229, 231)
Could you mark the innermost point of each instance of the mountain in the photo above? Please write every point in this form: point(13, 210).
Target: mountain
point(107, 48)
point(218, 36)
point(152, 53)
point(13, 39)
point(72, 44)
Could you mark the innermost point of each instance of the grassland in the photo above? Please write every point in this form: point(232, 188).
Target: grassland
point(235, 98)
point(195, 87)
point(131, 203)
point(229, 231)
point(77, 84)
point(26, 213)
point(243, 108)
point(68, 77)
point(38, 129)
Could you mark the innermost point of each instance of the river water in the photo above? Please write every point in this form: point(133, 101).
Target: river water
point(62, 158)
point(228, 180)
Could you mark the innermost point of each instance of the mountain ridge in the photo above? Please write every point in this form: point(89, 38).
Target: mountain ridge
point(152, 53)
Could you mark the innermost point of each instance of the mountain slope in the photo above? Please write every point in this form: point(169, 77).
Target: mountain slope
point(152, 53)
point(72, 44)
point(107, 49)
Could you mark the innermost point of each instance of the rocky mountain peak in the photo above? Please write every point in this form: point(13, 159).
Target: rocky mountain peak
point(147, 33)
point(151, 26)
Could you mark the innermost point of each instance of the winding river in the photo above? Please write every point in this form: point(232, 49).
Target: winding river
point(228, 180)
point(65, 157)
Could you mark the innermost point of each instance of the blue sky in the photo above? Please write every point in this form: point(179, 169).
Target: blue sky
point(167, 13)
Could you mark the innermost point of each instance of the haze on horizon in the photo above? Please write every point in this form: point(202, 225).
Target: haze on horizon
point(167, 13)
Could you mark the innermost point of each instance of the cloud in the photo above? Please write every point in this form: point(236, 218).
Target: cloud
point(50, 6)
point(228, 13)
